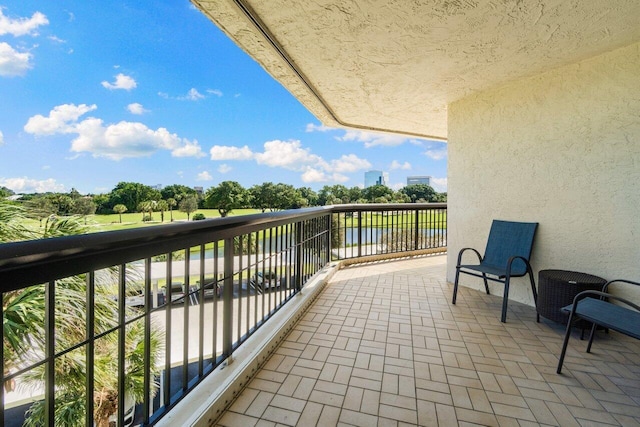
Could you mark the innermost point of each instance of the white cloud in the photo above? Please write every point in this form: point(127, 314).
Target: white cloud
point(27, 185)
point(436, 154)
point(204, 176)
point(122, 82)
point(397, 165)
point(113, 141)
point(314, 175)
point(224, 168)
point(192, 95)
point(312, 127)
point(439, 184)
point(288, 154)
point(292, 156)
point(225, 152)
point(128, 139)
point(188, 149)
point(22, 26)
point(56, 39)
point(1, 138)
point(60, 120)
point(136, 108)
point(12, 62)
point(216, 92)
point(349, 163)
point(372, 139)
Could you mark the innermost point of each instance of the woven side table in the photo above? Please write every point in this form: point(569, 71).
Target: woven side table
point(558, 288)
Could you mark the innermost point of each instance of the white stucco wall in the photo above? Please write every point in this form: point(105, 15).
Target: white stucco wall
point(562, 149)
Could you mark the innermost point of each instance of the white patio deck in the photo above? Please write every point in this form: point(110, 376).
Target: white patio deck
point(383, 345)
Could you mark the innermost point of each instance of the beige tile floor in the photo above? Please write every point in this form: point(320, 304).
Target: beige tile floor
point(383, 345)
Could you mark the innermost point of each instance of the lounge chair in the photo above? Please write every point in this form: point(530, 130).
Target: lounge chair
point(506, 255)
point(623, 317)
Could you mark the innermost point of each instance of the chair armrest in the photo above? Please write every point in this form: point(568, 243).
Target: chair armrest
point(468, 249)
point(606, 285)
point(512, 259)
point(602, 296)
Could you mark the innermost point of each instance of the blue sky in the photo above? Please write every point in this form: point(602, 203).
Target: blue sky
point(94, 93)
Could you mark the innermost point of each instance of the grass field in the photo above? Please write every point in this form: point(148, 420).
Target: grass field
point(132, 220)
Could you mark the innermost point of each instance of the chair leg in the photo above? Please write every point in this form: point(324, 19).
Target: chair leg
point(533, 287)
point(455, 285)
point(593, 333)
point(567, 335)
point(505, 299)
point(486, 284)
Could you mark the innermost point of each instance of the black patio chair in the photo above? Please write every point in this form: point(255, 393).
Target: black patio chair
point(506, 255)
point(597, 307)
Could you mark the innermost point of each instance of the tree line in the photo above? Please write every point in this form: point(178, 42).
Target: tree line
point(225, 197)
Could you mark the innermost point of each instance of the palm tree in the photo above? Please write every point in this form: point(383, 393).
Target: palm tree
point(171, 202)
point(24, 335)
point(148, 206)
point(120, 209)
point(162, 206)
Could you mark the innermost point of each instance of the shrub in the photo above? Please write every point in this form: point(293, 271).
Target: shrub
point(199, 216)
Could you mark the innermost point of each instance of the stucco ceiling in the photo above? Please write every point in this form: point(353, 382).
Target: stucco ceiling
point(395, 65)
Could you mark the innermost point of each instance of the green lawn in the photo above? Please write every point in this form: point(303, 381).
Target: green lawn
point(132, 220)
point(384, 220)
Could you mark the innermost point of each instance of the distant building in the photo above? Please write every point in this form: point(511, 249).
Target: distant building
point(157, 187)
point(199, 190)
point(426, 180)
point(372, 178)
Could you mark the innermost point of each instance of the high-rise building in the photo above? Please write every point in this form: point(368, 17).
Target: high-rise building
point(419, 180)
point(375, 178)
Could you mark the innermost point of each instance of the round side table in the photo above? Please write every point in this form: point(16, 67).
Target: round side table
point(558, 288)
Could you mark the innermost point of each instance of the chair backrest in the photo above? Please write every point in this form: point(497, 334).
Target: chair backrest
point(508, 239)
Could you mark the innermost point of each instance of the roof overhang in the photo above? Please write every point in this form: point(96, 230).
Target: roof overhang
point(394, 66)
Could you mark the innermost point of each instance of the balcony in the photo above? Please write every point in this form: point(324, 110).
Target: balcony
point(136, 320)
point(353, 334)
point(383, 345)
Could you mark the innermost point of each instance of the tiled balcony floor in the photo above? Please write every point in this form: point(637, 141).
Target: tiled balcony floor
point(383, 345)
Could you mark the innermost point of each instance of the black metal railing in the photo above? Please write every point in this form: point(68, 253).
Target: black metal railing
point(379, 229)
point(124, 324)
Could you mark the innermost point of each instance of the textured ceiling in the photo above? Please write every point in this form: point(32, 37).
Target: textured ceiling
point(395, 65)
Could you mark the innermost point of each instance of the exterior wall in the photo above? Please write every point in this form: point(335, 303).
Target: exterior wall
point(562, 149)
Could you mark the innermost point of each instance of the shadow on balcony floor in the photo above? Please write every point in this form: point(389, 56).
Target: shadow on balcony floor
point(382, 345)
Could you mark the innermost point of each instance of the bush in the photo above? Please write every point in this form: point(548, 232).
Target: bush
point(199, 216)
point(146, 218)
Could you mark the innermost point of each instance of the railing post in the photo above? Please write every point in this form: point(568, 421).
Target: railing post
point(50, 377)
point(329, 236)
point(89, 357)
point(359, 233)
point(227, 300)
point(148, 305)
point(416, 245)
point(2, 365)
point(299, 238)
point(122, 336)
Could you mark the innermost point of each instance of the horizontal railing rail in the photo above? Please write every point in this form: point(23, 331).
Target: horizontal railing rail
point(123, 324)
